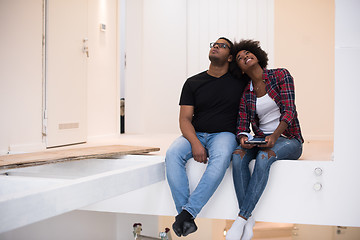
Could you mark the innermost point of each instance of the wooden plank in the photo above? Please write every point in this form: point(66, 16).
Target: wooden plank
point(52, 156)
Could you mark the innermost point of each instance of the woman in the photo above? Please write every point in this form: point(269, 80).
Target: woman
point(268, 104)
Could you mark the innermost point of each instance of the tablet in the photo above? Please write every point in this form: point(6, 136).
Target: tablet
point(256, 142)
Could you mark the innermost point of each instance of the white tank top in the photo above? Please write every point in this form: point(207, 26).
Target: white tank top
point(268, 113)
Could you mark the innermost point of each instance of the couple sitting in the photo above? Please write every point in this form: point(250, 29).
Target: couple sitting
point(217, 107)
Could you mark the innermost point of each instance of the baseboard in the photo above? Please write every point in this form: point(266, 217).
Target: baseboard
point(25, 148)
point(308, 138)
point(103, 137)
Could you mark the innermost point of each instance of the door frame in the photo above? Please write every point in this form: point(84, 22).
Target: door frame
point(45, 82)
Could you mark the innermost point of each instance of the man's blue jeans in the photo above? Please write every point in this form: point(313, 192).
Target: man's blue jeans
point(219, 147)
point(249, 188)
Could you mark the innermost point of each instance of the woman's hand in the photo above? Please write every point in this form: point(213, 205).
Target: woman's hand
point(243, 144)
point(199, 153)
point(271, 140)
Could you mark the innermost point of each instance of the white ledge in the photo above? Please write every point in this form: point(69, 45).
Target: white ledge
point(289, 197)
point(28, 195)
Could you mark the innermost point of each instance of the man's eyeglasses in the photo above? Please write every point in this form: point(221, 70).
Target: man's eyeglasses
point(220, 45)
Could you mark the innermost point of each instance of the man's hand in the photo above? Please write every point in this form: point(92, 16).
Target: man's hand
point(199, 153)
point(188, 131)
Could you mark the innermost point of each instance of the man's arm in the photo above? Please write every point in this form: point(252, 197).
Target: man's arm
point(188, 131)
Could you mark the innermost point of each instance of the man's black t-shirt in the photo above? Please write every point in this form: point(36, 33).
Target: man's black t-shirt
point(215, 100)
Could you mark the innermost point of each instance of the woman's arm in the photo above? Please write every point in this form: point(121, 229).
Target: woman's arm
point(271, 139)
point(287, 96)
point(287, 100)
point(243, 125)
point(243, 121)
point(188, 131)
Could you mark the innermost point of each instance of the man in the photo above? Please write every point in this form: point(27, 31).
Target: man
point(209, 105)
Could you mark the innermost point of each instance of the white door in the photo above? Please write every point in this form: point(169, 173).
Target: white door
point(66, 61)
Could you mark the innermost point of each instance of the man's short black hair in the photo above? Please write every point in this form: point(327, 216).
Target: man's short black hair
point(230, 43)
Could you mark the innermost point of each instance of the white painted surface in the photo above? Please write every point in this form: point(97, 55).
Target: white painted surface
point(155, 65)
point(156, 199)
point(133, 74)
point(289, 196)
point(55, 189)
point(233, 19)
point(103, 102)
point(21, 74)
point(168, 41)
point(66, 72)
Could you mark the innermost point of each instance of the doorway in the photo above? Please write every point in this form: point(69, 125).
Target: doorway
point(65, 84)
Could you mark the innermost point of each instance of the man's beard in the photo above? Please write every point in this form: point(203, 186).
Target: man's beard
point(217, 61)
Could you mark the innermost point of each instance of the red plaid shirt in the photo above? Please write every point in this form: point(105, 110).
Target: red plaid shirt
point(280, 87)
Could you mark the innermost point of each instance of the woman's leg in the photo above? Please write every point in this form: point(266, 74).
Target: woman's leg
point(241, 172)
point(241, 175)
point(284, 148)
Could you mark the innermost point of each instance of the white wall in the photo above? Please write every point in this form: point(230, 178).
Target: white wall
point(21, 87)
point(347, 84)
point(20, 75)
point(168, 41)
point(234, 19)
point(156, 65)
point(164, 63)
point(103, 84)
point(134, 119)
